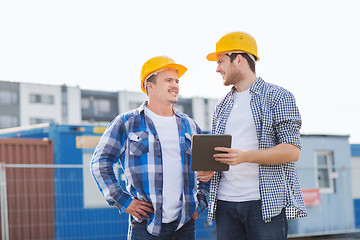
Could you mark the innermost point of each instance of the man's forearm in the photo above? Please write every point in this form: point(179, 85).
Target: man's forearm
point(281, 153)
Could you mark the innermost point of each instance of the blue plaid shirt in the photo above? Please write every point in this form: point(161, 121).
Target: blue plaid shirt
point(132, 139)
point(277, 120)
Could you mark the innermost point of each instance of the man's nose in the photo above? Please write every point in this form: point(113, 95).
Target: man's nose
point(175, 85)
point(218, 69)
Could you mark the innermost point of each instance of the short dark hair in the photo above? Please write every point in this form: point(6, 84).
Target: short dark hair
point(250, 61)
point(152, 79)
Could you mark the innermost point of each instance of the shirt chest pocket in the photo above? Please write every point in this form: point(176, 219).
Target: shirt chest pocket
point(138, 143)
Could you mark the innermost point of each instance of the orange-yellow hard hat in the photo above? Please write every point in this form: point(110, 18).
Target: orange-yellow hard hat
point(235, 41)
point(157, 63)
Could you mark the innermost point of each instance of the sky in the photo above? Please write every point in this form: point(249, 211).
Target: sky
point(310, 47)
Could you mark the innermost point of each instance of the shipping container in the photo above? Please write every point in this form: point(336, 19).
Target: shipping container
point(29, 191)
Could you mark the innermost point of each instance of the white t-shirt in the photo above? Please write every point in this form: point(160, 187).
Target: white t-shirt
point(241, 182)
point(173, 180)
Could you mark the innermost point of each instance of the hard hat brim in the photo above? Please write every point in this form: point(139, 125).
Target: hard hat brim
point(212, 56)
point(178, 67)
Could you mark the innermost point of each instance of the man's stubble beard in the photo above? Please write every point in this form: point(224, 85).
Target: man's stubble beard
point(173, 101)
point(233, 78)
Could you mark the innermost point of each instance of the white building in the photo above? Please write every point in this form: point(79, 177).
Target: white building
point(41, 103)
point(23, 104)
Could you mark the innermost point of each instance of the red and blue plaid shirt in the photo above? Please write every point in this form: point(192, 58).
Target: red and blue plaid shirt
point(277, 120)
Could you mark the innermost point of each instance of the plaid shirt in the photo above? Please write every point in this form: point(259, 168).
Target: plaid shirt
point(277, 120)
point(132, 139)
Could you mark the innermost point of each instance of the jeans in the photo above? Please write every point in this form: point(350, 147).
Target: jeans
point(137, 231)
point(243, 220)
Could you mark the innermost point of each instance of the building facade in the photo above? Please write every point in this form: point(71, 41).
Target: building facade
point(9, 104)
point(23, 104)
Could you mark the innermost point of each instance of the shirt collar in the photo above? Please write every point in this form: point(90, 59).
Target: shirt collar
point(176, 111)
point(255, 88)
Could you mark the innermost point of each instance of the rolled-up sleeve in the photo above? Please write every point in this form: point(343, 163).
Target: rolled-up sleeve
point(287, 120)
point(202, 195)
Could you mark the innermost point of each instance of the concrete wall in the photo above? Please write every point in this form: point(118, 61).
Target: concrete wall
point(73, 105)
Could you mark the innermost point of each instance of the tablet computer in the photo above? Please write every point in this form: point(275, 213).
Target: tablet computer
point(202, 151)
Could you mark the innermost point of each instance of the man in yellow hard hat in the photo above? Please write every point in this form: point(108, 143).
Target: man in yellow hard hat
point(261, 190)
point(153, 145)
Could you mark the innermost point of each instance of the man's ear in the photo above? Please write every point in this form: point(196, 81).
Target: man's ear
point(148, 85)
point(239, 59)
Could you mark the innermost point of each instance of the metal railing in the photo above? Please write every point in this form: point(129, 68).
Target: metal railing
point(61, 201)
point(3, 204)
point(72, 207)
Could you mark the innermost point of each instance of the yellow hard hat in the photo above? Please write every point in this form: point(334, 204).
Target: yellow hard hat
point(235, 41)
point(157, 63)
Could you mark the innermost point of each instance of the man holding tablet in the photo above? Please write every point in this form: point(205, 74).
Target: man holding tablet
point(254, 199)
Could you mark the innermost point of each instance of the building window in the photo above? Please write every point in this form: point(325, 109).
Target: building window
point(40, 120)
point(96, 105)
point(98, 108)
point(102, 106)
point(185, 106)
point(7, 121)
point(324, 171)
point(44, 99)
point(64, 108)
point(207, 116)
point(133, 105)
point(85, 103)
point(8, 97)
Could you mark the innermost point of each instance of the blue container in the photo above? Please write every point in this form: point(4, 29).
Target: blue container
point(73, 219)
